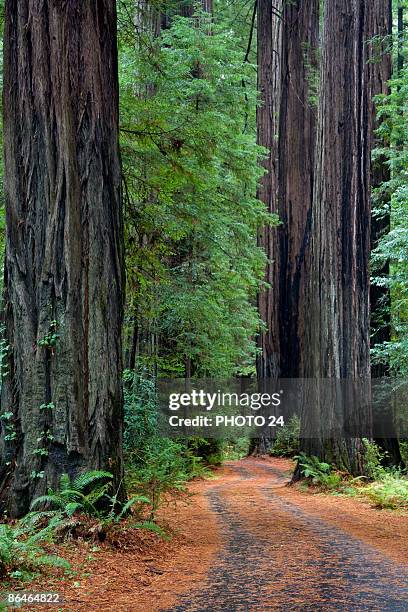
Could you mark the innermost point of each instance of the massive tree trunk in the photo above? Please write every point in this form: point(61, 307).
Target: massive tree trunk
point(287, 65)
point(287, 59)
point(64, 259)
point(338, 342)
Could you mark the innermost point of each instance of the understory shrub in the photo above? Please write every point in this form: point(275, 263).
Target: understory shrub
point(318, 472)
point(373, 460)
point(286, 443)
point(389, 492)
point(157, 466)
point(404, 451)
point(22, 552)
point(236, 449)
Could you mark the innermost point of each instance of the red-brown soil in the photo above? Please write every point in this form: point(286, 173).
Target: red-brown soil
point(246, 541)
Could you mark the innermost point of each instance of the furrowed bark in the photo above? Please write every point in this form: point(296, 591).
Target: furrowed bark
point(287, 65)
point(287, 59)
point(64, 254)
point(338, 342)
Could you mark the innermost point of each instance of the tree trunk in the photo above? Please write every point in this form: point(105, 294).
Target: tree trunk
point(64, 258)
point(400, 43)
point(287, 59)
point(287, 64)
point(338, 342)
point(187, 8)
point(184, 8)
point(147, 18)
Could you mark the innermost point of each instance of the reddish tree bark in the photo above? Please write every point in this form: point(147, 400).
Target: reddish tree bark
point(287, 59)
point(64, 259)
point(338, 339)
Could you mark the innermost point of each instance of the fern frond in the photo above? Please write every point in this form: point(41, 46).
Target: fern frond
point(88, 478)
point(50, 499)
point(52, 561)
point(151, 526)
point(136, 499)
point(72, 507)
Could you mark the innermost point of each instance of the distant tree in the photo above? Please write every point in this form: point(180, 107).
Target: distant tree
point(62, 397)
point(380, 48)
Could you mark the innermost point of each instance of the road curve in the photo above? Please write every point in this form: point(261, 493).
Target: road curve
point(277, 556)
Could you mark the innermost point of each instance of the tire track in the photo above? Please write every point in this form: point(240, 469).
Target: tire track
point(324, 568)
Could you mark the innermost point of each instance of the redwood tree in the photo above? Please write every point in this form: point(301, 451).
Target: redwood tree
point(338, 342)
point(287, 69)
point(63, 303)
point(287, 60)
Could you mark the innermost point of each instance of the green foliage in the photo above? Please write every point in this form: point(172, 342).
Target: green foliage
point(83, 494)
point(156, 466)
point(373, 458)
point(88, 494)
point(163, 470)
point(49, 341)
point(286, 443)
point(236, 449)
point(390, 486)
point(22, 553)
point(318, 472)
point(209, 451)
point(392, 198)
point(389, 489)
point(404, 451)
point(4, 351)
point(141, 415)
point(191, 170)
point(9, 429)
point(49, 406)
point(390, 492)
point(152, 526)
point(140, 412)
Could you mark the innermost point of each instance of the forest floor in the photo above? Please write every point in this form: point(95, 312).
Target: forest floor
point(245, 541)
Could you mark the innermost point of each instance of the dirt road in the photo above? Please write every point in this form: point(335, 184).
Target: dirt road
point(247, 542)
point(276, 555)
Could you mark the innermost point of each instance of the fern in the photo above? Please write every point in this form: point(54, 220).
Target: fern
point(88, 479)
point(136, 499)
point(83, 494)
point(21, 550)
point(151, 526)
point(390, 492)
point(319, 472)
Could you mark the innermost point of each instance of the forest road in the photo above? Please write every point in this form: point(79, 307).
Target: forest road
point(277, 553)
point(244, 541)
